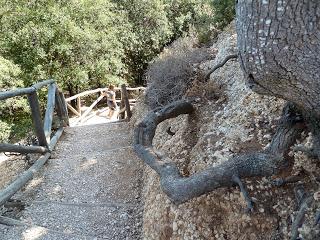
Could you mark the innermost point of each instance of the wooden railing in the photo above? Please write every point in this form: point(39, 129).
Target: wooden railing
point(125, 102)
point(43, 130)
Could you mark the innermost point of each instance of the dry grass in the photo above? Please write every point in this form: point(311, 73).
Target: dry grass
point(169, 76)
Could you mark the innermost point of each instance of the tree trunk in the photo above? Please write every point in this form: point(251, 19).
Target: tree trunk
point(279, 49)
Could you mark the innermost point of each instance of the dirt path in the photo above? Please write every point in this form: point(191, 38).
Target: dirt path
point(90, 189)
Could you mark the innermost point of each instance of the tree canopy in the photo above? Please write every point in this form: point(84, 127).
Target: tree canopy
point(85, 44)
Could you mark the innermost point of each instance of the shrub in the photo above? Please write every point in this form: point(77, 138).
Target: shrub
point(4, 131)
point(224, 12)
point(169, 76)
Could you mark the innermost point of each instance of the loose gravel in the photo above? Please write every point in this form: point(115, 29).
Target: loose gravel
point(90, 189)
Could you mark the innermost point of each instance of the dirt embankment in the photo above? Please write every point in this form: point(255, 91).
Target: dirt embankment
point(229, 120)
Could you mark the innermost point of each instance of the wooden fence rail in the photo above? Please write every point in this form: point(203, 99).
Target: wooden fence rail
point(43, 130)
point(43, 126)
point(125, 110)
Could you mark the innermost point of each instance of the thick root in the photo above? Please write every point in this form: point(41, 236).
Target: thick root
point(180, 189)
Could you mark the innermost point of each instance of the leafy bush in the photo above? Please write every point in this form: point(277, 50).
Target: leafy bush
point(224, 12)
point(12, 110)
point(5, 130)
point(169, 76)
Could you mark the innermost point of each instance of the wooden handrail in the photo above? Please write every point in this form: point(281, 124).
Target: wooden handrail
point(42, 129)
point(16, 92)
point(85, 93)
point(89, 109)
point(6, 147)
point(47, 143)
point(39, 85)
point(24, 91)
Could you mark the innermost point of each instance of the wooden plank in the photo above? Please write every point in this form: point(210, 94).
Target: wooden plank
point(122, 112)
point(59, 108)
point(20, 181)
point(130, 101)
point(136, 89)
point(86, 93)
point(79, 105)
point(49, 112)
point(16, 92)
point(39, 85)
point(126, 101)
point(101, 90)
point(6, 147)
point(55, 138)
point(64, 107)
point(73, 110)
point(36, 117)
point(89, 109)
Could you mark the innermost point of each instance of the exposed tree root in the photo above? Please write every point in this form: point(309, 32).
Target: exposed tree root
point(181, 189)
point(219, 65)
point(305, 200)
point(290, 179)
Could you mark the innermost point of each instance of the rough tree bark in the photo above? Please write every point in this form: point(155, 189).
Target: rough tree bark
point(279, 49)
point(279, 52)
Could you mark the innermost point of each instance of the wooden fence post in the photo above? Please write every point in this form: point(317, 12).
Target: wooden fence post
point(122, 113)
point(79, 105)
point(49, 112)
point(60, 111)
point(126, 101)
point(64, 107)
point(36, 117)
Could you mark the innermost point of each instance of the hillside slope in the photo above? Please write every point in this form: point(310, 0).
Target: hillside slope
point(229, 120)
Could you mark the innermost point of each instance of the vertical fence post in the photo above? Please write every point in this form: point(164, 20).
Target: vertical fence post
point(60, 111)
point(126, 101)
point(79, 105)
point(36, 117)
point(48, 118)
point(122, 106)
point(64, 107)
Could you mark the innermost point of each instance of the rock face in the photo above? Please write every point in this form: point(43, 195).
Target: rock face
point(229, 120)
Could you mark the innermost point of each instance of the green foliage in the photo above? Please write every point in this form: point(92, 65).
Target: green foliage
point(156, 24)
point(77, 42)
point(8, 74)
point(89, 43)
point(84, 44)
point(224, 12)
point(5, 130)
point(185, 15)
point(10, 108)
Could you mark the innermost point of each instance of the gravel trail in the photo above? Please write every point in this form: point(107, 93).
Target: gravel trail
point(89, 189)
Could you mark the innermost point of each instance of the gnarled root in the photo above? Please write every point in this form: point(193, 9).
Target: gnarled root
point(304, 201)
point(181, 189)
point(219, 65)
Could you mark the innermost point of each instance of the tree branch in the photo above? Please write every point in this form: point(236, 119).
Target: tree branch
point(219, 65)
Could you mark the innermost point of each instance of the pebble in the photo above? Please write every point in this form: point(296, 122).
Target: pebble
point(174, 226)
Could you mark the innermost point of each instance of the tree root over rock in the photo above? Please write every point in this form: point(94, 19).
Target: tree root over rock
point(219, 65)
point(274, 160)
point(180, 189)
